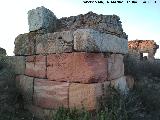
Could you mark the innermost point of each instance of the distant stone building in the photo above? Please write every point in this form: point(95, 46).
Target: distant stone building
point(142, 49)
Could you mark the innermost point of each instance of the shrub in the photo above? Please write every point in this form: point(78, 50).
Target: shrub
point(147, 79)
point(136, 68)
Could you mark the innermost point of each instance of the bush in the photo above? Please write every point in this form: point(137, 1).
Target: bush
point(148, 88)
point(136, 68)
point(147, 84)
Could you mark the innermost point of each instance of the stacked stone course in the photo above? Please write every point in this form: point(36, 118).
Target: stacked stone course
point(72, 65)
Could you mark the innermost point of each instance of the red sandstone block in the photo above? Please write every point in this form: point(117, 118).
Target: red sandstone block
point(50, 94)
point(77, 67)
point(36, 66)
point(60, 67)
point(85, 95)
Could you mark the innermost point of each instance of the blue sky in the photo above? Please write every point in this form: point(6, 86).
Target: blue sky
point(139, 21)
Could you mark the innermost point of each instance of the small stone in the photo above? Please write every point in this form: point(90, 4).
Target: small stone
point(120, 84)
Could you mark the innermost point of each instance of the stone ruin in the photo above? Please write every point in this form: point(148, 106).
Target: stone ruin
point(69, 62)
point(142, 49)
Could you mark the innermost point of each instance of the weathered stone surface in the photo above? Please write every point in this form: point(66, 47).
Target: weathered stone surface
point(57, 42)
point(115, 66)
point(25, 85)
point(24, 44)
point(41, 18)
point(17, 63)
point(109, 24)
point(36, 66)
point(120, 83)
point(50, 94)
point(77, 67)
point(85, 95)
point(2, 51)
point(89, 40)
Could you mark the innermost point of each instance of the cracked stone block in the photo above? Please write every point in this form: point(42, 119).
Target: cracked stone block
point(89, 40)
point(41, 18)
point(77, 67)
point(57, 42)
point(50, 94)
point(85, 95)
point(36, 66)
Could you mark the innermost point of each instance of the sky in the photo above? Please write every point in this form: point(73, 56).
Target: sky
point(139, 20)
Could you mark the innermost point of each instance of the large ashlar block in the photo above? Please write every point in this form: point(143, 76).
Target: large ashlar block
point(89, 40)
point(25, 85)
point(115, 66)
point(41, 18)
point(77, 67)
point(36, 66)
point(17, 63)
point(50, 94)
point(85, 95)
point(24, 44)
point(57, 42)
